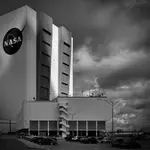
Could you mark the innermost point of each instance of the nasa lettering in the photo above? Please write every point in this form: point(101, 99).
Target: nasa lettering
point(12, 41)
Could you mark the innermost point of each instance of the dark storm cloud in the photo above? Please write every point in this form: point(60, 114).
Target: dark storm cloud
point(8, 6)
point(140, 12)
point(139, 70)
point(143, 105)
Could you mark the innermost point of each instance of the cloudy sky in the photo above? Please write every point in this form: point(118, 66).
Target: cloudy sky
point(111, 50)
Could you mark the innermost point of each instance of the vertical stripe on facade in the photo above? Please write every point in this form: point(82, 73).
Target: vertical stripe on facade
point(44, 47)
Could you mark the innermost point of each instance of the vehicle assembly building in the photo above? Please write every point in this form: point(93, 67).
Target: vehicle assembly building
point(36, 79)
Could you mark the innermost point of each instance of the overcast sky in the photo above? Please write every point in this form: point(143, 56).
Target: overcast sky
point(111, 50)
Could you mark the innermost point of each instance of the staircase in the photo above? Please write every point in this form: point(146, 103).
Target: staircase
point(63, 119)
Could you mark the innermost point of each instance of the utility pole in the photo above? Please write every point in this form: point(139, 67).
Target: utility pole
point(112, 105)
point(72, 115)
point(10, 126)
point(112, 117)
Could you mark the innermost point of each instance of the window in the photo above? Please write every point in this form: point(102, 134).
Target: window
point(43, 125)
point(66, 49)
point(91, 125)
point(64, 94)
point(65, 64)
point(33, 125)
point(46, 49)
point(67, 44)
point(46, 43)
point(45, 54)
point(64, 83)
point(66, 54)
point(44, 30)
point(45, 58)
point(44, 81)
point(44, 92)
point(64, 78)
point(65, 69)
point(45, 70)
point(52, 125)
point(65, 74)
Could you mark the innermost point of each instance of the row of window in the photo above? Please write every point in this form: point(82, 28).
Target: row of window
point(43, 125)
point(90, 125)
point(65, 70)
point(45, 65)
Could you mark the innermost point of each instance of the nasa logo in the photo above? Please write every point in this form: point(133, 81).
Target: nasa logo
point(12, 41)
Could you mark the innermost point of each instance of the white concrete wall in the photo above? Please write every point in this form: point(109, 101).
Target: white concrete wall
point(88, 108)
point(42, 111)
point(17, 71)
point(71, 71)
point(54, 63)
point(20, 119)
point(31, 53)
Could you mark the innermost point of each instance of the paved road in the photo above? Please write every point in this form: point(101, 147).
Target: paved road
point(11, 143)
point(78, 146)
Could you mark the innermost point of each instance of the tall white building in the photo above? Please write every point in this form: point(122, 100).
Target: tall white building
point(36, 79)
point(42, 66)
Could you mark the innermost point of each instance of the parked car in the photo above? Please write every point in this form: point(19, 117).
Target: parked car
point(106, 140)
point(44, 140)
point(116, 142)
point(53, 137)
point(89, 140)
point(130, 143)
point(47, 141)
point(68, 138)
point(36, 139)
point(126, 143)
point(92, 140)
point(76, 138)
point(21, 134)
point(100, 138)
point(84, 140)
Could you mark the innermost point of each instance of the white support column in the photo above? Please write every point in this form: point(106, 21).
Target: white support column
point(38, 127)
point(58, 127)
point(77, 127)
point(86, 128)
point(29, 128)
point(48, 127)
point(96, 128)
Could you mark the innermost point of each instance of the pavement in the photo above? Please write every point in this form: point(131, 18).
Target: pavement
point(31, 144)
point(9, 142)
point(13, 143)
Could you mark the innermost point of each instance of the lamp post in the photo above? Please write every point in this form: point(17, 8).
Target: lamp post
point(72, 115)
point(112, 105)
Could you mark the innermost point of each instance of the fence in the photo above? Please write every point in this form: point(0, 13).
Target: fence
point(7, 126)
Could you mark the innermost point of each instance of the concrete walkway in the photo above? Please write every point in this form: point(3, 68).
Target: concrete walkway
point(31, 144)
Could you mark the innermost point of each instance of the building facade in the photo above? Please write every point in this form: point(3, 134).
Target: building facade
point(41, 68)
point(65, 115)
point(36, 79)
